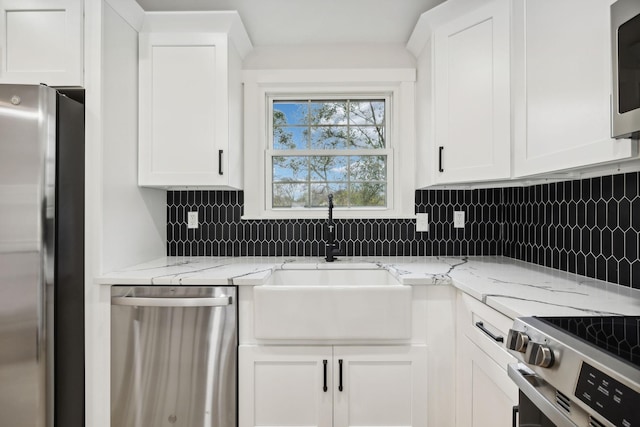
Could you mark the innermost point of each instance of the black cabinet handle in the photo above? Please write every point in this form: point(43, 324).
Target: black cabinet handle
point(480, 326)
point(440, 149)
point(324, 362)
point(340, 374)
point(514, 416)
point(220, 162)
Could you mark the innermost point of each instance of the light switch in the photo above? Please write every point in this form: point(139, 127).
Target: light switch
point(422, 222)
point(458, 219)
point(192, 219)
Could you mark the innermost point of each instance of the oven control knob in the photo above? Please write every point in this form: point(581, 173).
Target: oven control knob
point(517, 341)
point(539, 355)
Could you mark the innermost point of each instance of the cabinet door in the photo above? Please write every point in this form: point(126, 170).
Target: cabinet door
point(380, 386)
point(41, 42)
point(472, 96)
point(285, 386)
point(562, 86)
point(485, 394)
point(184, 112)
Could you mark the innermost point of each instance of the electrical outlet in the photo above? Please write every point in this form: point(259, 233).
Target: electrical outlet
point(458, 219)
point(192, 219)
point(422, 222)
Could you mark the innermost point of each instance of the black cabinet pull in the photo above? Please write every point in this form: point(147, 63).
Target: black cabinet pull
point(440, 149)
point(480, 326)
point(340, 374)
point(514, 416)
point(220, 162)
point(324, 362)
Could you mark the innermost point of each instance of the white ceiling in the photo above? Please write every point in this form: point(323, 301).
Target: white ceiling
point(297, 22)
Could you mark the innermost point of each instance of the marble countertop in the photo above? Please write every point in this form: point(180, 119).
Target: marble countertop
point(513, 287)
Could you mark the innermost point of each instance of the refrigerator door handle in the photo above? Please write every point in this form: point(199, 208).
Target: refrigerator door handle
point(171, 302)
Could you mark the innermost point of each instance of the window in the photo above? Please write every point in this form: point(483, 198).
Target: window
point(309, 133)
point(322, 146)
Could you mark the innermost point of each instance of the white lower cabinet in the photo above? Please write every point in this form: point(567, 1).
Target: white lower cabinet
point(485, 395)
point(328, 386)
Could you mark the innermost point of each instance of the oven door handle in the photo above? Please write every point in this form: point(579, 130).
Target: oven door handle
point(542, 403)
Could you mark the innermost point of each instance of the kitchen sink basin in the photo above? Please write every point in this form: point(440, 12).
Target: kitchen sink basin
point(332, 304)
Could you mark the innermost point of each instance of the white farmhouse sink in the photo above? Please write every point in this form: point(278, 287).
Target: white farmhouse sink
point(332, 277)
point(332, 304)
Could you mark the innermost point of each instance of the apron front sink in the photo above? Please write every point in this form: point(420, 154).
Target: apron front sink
point(332, 304)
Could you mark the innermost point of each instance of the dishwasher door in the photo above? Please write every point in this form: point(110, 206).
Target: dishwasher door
point(173, 356)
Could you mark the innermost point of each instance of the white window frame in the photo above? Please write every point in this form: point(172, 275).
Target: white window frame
point(262, 87)
point(270, 152)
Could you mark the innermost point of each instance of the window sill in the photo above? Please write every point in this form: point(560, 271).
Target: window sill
point(337, 214)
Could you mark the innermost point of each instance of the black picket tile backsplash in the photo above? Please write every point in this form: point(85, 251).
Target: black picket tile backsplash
point(223, 233)
point(590, 227)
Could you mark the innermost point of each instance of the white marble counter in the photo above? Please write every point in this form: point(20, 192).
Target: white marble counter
point(512, 287)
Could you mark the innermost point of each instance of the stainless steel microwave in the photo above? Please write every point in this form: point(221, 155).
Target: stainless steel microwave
point(625, 44)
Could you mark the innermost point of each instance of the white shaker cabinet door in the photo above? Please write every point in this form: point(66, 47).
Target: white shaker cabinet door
point(285, 386)
point(380, 386)
point(472, 96)
point(41, 42)
point(339, 386)
point(188, 94)
point(562, 86)
point(485, 394)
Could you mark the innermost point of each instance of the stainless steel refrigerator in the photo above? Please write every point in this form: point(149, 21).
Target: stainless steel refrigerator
point(41, 256)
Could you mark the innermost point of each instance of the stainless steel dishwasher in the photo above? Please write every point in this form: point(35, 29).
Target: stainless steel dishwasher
point(173, 356)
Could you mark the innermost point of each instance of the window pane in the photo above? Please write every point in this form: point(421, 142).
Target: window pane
point(368, 168)
point(305, 180)
point(366, 112)
point(328, 168)
point(290, 168)
point(368, 194)
point(329, 137)
point(290, 138)
point(328, 113)
point(367, 137)
point(320, 192)
point(290, 113)
point(288, 195)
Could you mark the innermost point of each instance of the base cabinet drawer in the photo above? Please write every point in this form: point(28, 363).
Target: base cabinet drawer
point(485, 326)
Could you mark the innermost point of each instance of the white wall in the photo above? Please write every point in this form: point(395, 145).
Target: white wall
point(125, 225)
point(134, 218)
point(329, 57)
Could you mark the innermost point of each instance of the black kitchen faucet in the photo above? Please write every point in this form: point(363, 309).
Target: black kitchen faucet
point(332, 248)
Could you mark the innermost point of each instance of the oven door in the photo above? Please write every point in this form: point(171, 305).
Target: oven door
point(535, 407)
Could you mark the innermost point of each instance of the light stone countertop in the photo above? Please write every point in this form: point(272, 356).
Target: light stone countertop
point(513, 287)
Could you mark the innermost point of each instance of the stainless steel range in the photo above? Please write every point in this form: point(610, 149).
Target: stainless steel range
point(576, 371)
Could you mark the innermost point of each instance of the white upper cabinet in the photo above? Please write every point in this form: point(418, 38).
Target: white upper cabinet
point(472, 96)
point(191, 100)
point(562, 86)
point(41, 42)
